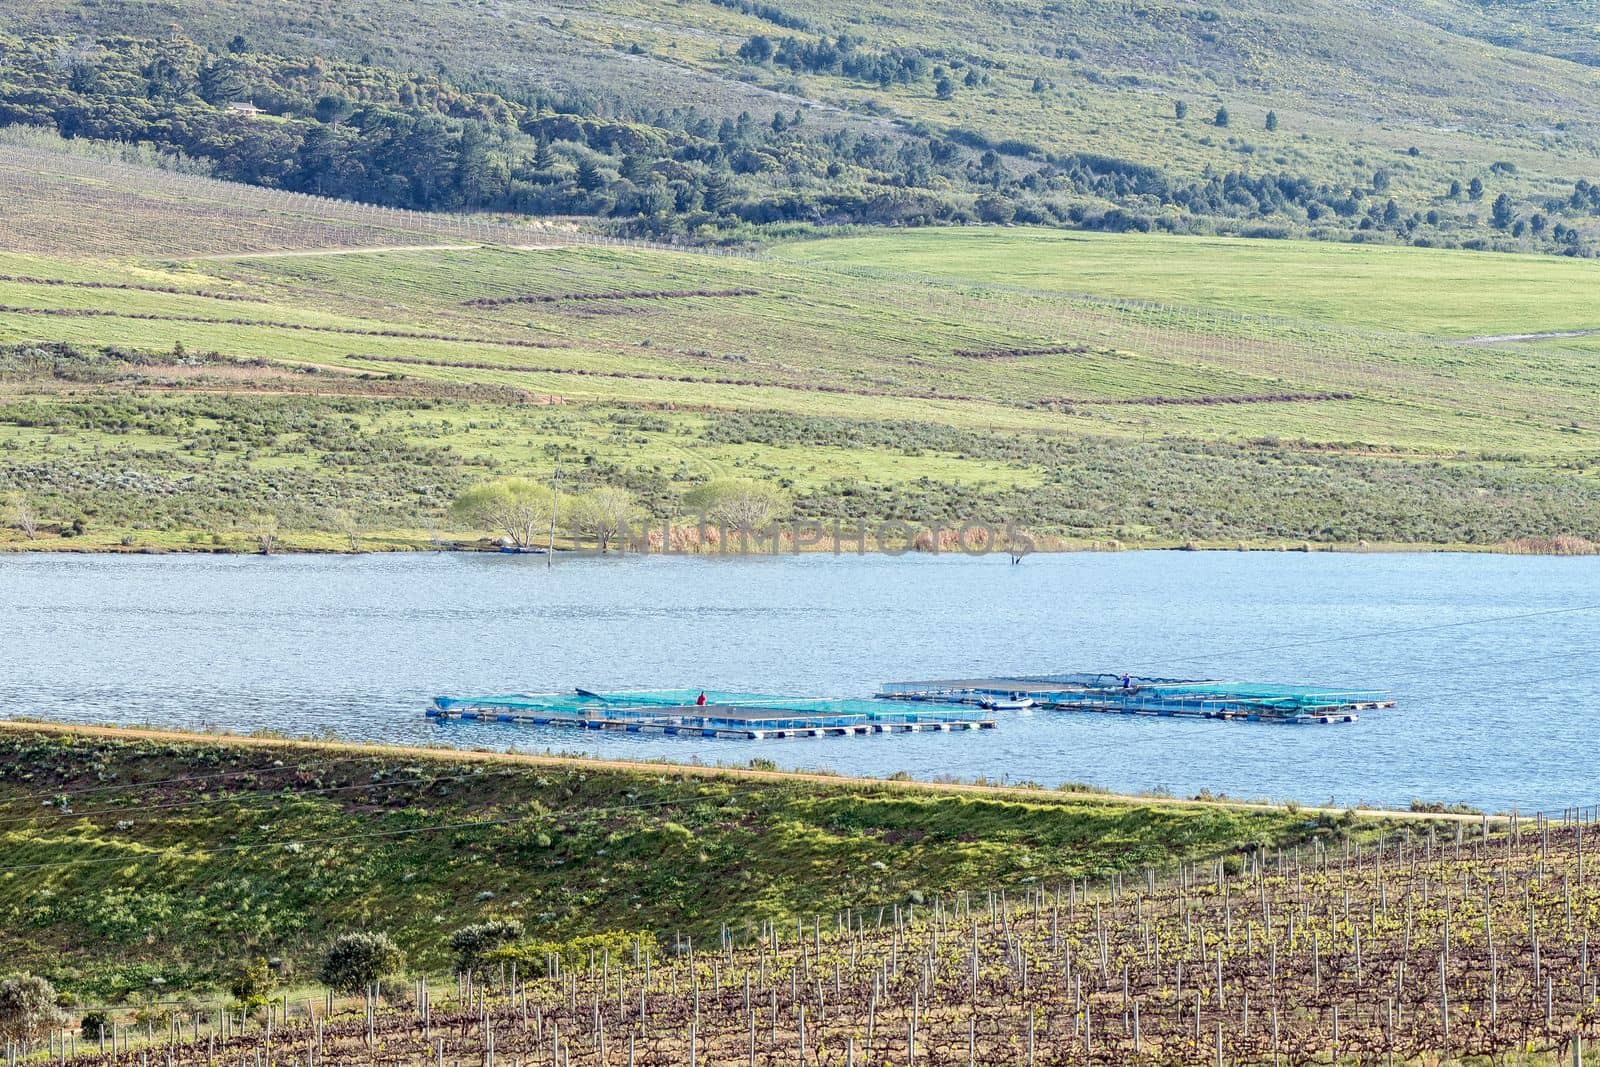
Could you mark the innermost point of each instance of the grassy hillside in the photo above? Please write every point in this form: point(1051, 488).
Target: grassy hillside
point(180, 368)
point(1097, 388)
point(1301, 937)
point(129, 860)
point(1382, 122)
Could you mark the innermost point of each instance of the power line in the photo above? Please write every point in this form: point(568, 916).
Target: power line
point(1423, 672)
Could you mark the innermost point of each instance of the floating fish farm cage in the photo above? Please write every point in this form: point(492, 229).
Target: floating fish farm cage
point(1122, 694)
point(675, 712)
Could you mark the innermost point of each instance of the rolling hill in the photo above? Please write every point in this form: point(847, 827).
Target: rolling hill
point(190, 353)
point(186, 354)
point(583, 848)
point(719, 119)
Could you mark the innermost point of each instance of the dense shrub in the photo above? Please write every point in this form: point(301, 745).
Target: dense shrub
point(27, 1009)
point(354, 962)
point(471, 943)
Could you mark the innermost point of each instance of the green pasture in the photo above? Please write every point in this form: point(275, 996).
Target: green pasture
point(1425, 292)
point(932, 372)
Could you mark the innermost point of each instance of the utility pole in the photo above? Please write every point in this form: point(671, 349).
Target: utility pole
point(555, 506)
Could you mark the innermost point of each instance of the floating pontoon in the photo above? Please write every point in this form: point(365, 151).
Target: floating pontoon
point(1123, 694)
point(675, 712)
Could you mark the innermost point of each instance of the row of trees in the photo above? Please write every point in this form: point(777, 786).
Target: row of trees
point(30, 1009)
point(1222, 119)
point(526, 512)
point(842, 55)
point(358, 961)
point(359, 131)
point(351, 963)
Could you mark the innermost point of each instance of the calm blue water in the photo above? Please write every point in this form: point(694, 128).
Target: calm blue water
point(1496, 713)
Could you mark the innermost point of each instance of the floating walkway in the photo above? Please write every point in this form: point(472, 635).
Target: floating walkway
point(674, 712)
point(1119, 694)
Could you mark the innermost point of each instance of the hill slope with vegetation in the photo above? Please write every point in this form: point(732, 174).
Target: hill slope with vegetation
point(136, 864)
point(227, 325)
point(1450, 123)
point(1098, 389)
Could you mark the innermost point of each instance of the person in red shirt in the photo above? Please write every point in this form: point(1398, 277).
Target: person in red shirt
point(700, 701)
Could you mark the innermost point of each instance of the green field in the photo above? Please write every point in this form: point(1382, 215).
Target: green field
point(1097, 388)
point(1438, 294)
point(176, 859)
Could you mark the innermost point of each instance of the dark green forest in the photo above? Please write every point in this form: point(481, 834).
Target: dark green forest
point(357, 130)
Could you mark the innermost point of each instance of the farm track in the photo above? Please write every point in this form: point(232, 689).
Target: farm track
point(690, 379)
point(277, 386)
point(844, 390)
point(1518, 338)
point(1020, 353)
point(411, 335)
point(1203, 401)
point(641, 294)
point(165, 290)
point(361, 250)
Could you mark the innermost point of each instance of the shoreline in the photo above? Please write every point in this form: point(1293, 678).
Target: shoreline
point(69, 547)
point(448, 754)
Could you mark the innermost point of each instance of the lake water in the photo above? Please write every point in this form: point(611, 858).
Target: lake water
point(1495, 660)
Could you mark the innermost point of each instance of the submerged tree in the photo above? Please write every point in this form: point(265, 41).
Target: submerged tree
point(738, 503)
point(20, 513)
point(520, 508)
point(262, 528)
point(349, 524)
point(606, 514)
